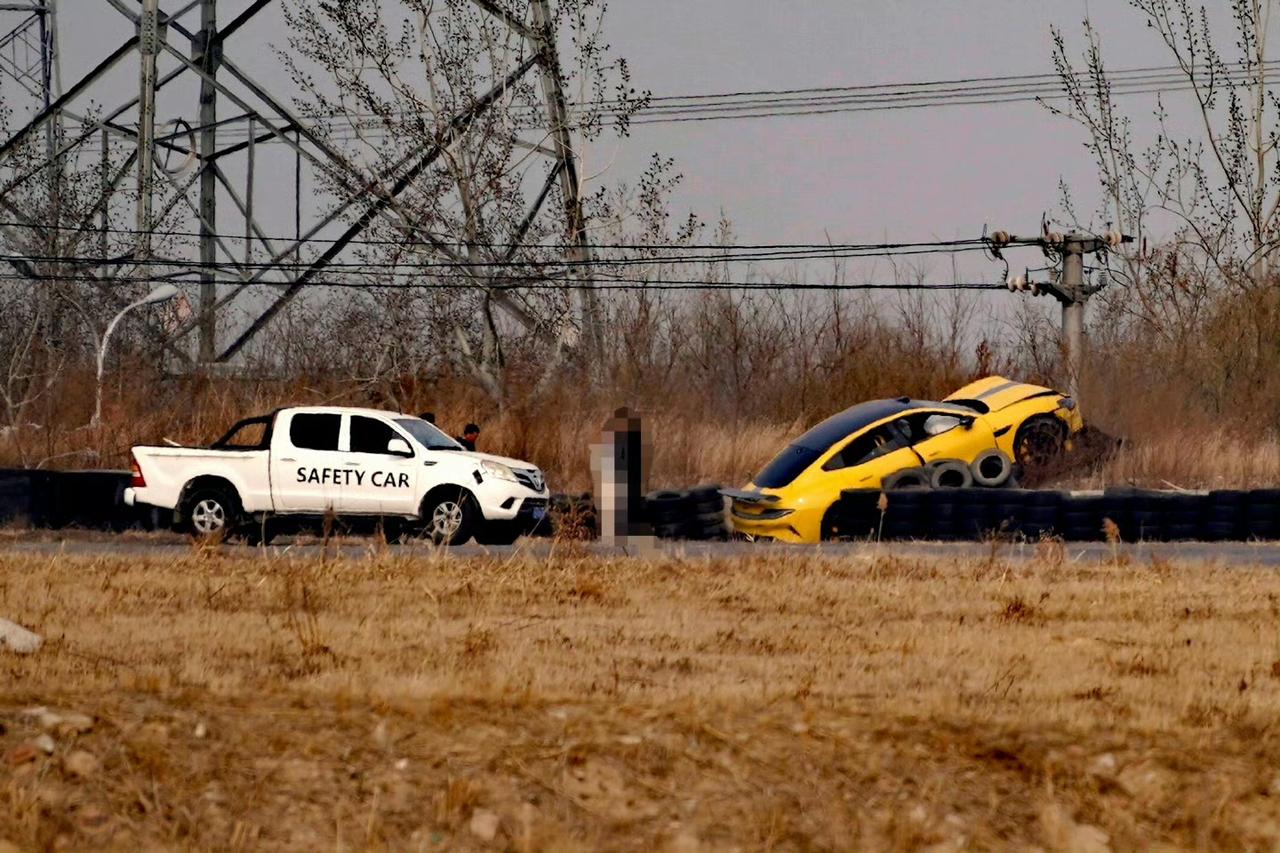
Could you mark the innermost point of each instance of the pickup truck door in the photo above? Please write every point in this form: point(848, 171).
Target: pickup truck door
point(307, 474)
point(386, 483)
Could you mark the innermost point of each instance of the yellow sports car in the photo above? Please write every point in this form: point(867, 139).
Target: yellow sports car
point(975, 435)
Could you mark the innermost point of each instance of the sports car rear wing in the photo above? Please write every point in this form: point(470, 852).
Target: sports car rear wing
point(749, 497)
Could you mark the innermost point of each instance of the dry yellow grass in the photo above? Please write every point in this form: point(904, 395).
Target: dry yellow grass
point(783, 701)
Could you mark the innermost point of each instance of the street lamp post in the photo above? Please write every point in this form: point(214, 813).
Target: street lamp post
point(161, 293)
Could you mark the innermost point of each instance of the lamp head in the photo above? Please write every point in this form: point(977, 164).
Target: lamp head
point(161, 293)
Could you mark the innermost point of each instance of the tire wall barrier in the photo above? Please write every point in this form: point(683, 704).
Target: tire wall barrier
point(93, 500)
point(1125, 514)
point(82, 499)
point(689, 514)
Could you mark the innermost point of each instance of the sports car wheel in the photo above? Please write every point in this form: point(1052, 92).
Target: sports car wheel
point(1039, 442)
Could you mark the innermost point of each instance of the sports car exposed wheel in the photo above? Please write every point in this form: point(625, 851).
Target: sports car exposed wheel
point(1039, 442)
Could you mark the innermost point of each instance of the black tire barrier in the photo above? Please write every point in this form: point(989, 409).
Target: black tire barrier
point(1129, 514)
point(94, 499)
point(91, 500)
point(907, 513)
point(15, 496)
point(945, 515)
point(856, 515)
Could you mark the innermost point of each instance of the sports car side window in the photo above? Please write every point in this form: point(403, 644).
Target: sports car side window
point(938, 424)
point(925, 425)
point(878, 442)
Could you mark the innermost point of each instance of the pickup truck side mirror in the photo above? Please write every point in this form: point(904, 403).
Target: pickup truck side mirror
point(399, 447)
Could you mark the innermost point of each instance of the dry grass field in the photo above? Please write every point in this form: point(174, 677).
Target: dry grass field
point(786, 701)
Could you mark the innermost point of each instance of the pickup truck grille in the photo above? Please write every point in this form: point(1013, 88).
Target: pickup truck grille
point(531, 478)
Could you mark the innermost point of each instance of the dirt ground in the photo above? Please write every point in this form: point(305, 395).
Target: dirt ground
point(234, 701)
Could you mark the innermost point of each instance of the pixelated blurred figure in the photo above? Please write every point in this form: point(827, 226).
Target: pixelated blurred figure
point(620, 467)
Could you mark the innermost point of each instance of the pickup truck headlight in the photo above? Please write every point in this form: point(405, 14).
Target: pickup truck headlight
point(498, 470)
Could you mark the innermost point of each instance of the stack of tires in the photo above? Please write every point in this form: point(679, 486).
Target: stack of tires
point(991, 469)
point(691, 514)
point(696, 514)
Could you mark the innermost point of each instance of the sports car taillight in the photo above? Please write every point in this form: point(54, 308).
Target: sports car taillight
point(137, 481)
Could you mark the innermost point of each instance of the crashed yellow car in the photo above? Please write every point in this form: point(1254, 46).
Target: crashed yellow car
point(975, 436)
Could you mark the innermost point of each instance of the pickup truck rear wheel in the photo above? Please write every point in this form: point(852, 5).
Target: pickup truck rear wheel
point(210, 512)
point(450, 519)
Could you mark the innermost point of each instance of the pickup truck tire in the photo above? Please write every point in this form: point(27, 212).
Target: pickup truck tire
point(210, 511)
point(450, 518)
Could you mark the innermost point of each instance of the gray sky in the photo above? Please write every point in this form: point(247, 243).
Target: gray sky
point(906, 175)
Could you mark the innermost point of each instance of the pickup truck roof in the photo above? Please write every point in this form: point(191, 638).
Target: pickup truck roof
point(268, 420)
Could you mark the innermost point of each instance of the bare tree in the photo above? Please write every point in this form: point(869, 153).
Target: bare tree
point(488, 222)
point(1221, 185)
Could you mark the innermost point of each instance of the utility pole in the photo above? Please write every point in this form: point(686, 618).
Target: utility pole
point(1070, 289)
point(1073, 294)
point(148, 46)
point(207, 53)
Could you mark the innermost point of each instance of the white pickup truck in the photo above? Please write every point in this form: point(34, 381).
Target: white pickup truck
point(314, 461)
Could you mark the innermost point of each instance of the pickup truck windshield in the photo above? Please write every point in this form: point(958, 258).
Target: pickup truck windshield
point(427, 435)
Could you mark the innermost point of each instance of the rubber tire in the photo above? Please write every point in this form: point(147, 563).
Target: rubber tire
point(1218, 532)
point(907, 478)
point(670, 531)
point(944, 474)
point(226, 498)
point(984, 470)
point(470, 520)
point(706, 494)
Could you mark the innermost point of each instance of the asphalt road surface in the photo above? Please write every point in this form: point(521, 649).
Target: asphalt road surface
point(1226, 553)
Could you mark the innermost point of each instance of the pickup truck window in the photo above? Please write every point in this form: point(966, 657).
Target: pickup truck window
point(248, 434)
point(370, 436)
point(315, 431)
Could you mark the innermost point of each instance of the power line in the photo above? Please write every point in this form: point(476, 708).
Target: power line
point(889, 96)
point(818, 250)
point(781, 103)
point(620, 284)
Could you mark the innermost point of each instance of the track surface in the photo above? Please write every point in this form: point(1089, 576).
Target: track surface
point(1228, 553)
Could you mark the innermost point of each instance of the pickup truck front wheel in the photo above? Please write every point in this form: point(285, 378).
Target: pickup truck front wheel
point(450, 519)
point(210, 512)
